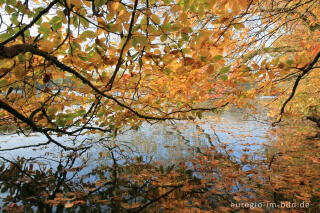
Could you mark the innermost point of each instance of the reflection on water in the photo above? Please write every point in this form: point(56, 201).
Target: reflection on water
point(204, 164)
point(168, 141)
point(164, 141)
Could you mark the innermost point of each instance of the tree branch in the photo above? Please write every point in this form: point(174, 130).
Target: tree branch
point(30, 24)
point(14, 50)
point(109, 84)
point(305, 71)
point(34, 127)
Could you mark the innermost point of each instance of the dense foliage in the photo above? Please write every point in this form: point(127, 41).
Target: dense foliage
point(70, 67)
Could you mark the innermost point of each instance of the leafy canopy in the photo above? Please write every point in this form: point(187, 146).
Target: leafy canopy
point(86, 66)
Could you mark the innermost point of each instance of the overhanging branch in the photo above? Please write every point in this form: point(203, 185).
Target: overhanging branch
point(30, 24)
point(14, 50)
point(305, 71)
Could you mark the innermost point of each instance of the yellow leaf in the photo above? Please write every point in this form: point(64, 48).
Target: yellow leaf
point(68, 205)
point(155, 19)
point(130, 206)
point(113, 6)
point(77, 3)
point(175, 8)
point(243, 4)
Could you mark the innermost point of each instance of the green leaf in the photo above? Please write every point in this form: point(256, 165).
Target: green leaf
point(81, 112)
point(168, 71)
point(22, 8)
point(21, 58)
point(11, 2)
point(71, 116)
point(289, 62)
point(103, 124)
point(144, 20)
point(61, 122)
point(186, 5)
point(39, 21)
point(84, 22)
point(201, 10)
point(142, 40)
point(135, 55)
point(14, 19)
point(75, 46)
point(100, 114)
point(247, 69)
point(83, 58)
point(9, 9)
point(3, 82)
point(163, 37)
point(186, 50)
point(99, 3)
point(185, 36)
point(134, 42)
point(55, 19)
point(167, 27)
point(75, 22)
point(56, 23)
point(193, 8)
point(224, 77)
point(45, 31)
point(5, 36)
point(87, 34)
point(56, 26)
point(217, 57)
point(175, 27)
point(224, 70)
point(136, 28)
point(204, 59)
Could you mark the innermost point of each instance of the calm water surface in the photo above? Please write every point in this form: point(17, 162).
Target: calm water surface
point(164, 141)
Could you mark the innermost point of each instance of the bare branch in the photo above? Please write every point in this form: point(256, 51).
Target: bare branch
point(305, 71)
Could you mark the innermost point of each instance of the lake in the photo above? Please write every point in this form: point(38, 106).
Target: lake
point(117, 174)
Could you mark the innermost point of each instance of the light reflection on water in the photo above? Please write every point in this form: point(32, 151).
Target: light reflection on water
point(167, 142)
